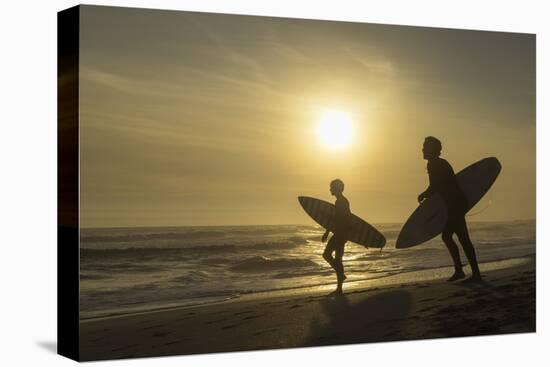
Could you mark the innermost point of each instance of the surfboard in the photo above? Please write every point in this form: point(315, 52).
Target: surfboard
point(361, 232)
point(429, 218)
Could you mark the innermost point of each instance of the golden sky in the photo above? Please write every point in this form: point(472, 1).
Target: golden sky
point(210, 119)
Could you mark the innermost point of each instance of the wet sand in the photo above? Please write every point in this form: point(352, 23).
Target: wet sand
point(404, 307)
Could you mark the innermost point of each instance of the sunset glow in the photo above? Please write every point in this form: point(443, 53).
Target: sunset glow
point(335, 129)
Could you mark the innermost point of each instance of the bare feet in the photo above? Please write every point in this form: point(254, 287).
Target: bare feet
point(337, 292)
point(475, 278)
point(457, 275)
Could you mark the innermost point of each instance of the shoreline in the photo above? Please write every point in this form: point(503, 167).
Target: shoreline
point(406, 277)
point(414, 305)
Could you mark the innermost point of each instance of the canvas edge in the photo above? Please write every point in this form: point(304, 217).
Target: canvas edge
point(68, 252)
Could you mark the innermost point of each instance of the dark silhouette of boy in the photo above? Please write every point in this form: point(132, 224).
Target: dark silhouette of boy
point(443, 181)
point(341, 226)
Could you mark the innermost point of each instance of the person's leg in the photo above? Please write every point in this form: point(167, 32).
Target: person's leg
point(464, 238)
point(327, 254)
point(338, 263)
point(453, 250)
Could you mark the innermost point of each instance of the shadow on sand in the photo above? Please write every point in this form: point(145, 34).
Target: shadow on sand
point(377, 318)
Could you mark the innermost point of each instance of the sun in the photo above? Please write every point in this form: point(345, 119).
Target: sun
point(335, 129)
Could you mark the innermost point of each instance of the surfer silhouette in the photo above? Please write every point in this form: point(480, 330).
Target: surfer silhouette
point(341, 227)
point(443, 180)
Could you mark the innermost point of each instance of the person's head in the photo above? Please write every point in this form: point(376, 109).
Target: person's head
point(431, 148)
point(336, 187)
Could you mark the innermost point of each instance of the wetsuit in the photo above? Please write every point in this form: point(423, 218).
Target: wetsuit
point(443, 180)
point(337, 242)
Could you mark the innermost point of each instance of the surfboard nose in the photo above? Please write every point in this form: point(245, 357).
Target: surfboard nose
point(493, 163)
point(497, 164)
point(303, 200)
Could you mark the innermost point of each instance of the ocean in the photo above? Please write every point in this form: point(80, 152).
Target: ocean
point(127, 270)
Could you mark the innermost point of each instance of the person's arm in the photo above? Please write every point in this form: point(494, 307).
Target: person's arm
point(336, 219)
point(342, 216)
point(343, 213)
point(440, 174)
point(433, 178)
point(426, 193)
point(333, 221)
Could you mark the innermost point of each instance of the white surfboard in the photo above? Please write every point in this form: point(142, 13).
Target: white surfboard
point(428, 220)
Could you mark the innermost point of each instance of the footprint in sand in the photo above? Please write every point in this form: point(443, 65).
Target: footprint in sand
point(242, 313)
point(487, 329)
point(215, 321)
point(505, 288)
point(122, 348)
point(391, 333)
point(152, 327)
point(160, 333)
point(264, 331)
point(182, 319)
point(426, 300)
point(294, 306)
point(229, 327)
point(172, 342)
point(426, 309)
point(250, 317)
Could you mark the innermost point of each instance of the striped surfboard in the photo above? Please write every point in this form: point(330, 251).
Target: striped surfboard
point(361, 232)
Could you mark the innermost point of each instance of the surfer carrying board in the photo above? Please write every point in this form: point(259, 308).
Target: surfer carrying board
point(342, 224)
point(443, 181)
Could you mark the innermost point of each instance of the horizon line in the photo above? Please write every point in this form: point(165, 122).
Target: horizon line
point(282, 224)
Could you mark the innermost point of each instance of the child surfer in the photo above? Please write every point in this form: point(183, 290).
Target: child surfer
point(341, 228)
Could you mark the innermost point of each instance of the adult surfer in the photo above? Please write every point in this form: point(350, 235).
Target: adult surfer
point(443, 180)
point(336, 244)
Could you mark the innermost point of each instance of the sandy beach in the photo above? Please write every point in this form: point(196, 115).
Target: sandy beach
point(407, 306)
